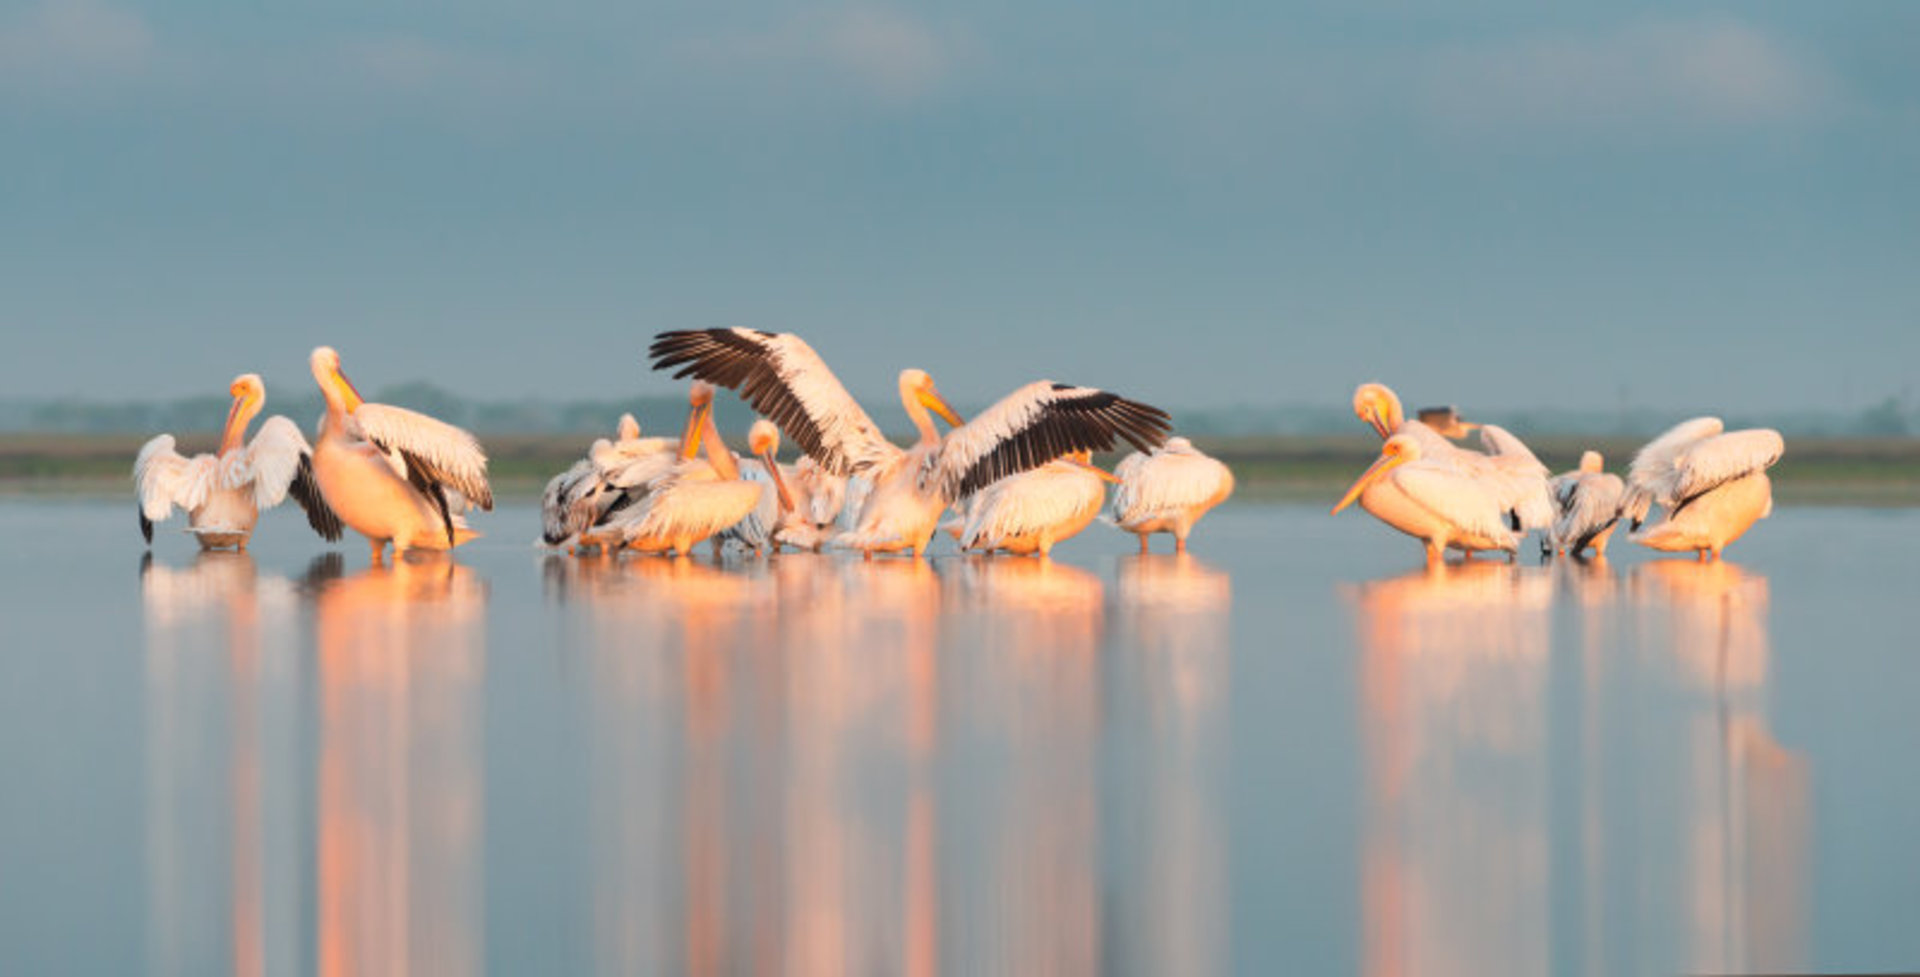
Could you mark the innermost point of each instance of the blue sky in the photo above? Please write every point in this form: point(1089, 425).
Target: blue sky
point(1491, 203)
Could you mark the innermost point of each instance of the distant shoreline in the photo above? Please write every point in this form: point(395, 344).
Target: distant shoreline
point(1815, 471)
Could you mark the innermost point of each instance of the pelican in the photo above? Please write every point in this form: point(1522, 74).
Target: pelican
point(393, 475)
point(1588, 502)
point(763, 527)
point(1507, 468)
point(1431, 501)
point(1167, 491)
point(1030, 512)
point(819, 496)
point(693, 499)
point(787, 382)
point(582, 498)
point(224, 492)
point(1713, 486)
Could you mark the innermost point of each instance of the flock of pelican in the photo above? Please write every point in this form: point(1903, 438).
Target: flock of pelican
point(1711, 485)
point(1017, 478)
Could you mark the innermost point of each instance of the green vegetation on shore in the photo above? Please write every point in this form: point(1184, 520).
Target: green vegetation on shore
point(1817, 471)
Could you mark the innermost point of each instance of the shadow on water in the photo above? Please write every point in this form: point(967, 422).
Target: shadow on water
point(1686, 844)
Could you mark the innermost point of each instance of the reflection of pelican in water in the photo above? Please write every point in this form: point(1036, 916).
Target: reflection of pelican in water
point(217, 894)
point(1045, 585)
point(399, 666)
point(1453, 681)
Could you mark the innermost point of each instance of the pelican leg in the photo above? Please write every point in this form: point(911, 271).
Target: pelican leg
point(1436, 554)
point(379, 548)
point(867, 555)
point(1143, 544)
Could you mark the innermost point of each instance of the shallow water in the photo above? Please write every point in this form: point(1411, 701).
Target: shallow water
point(1292, 752)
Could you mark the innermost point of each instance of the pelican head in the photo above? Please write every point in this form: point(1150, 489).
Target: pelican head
point(917, 387)
point(1398, 450)
point(763, 439)
point(1590, 461)
point(629, 428)
point(333, 384)
point(1178, 446)
point(699, 414)
point(249, 395)
point(1379, 407)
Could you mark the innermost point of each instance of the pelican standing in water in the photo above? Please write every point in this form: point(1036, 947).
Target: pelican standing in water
point(787, 382)
point(1507, 468)
point(1167, 491)
point(611, 477)
point(1433, 502)
point(777, 510)
point(694, 499)
point(1030, 512)
point(1588, 502)
point(224, 492)
point(394, 475)
point(1713, 486)
point(818, 498)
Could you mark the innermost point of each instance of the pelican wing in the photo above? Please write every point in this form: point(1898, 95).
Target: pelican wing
point(1715, 461)
point(1500, 443)
point(436, 454)
point(1654, 475)
point(306, 492)
point(1030, 502)
point(1454, 496)
point(788, 383)
point(163, 478)
point(1034, 425)
point(272, 461)
point(1592, 503)
point(1167, 482)
point(562, 515)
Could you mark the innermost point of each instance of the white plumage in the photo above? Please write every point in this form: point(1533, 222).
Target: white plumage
point(1434, 502)
point(1713, 485)
point(394, 475)
point(223, 493)
point(1512, 476)
point(1588, 502)
point(1032, 511)
point(693, 499)
point(783, 379)
point(1168, 490)
point(611, 477)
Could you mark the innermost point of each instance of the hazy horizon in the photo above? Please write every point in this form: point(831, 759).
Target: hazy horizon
point(1673, 207)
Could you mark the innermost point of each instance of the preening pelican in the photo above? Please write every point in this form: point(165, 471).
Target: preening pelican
point(1508, 470)
point(786, 381)
point(1433, 502)
point(762, 528)
point(819, 496)
point(694, 499)
point(1713, 485)
point(393, 475)
point(612, 476)
point(1030, 512)
point(224, 492)
point(1167, 491)
point(1588, 502)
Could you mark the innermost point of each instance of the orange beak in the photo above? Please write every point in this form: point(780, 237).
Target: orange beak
point(779, 480)
point(347, 392)
point(1374, 473)
point(1379, 422)
point(696, 424)
point(229, 437)
point(938, 404)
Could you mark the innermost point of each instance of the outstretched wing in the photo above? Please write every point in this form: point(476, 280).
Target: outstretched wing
point(787, 382)
point(273, 460)
point(437, 454)
point(163, 478)
point(306, 492)
point(1036, 424)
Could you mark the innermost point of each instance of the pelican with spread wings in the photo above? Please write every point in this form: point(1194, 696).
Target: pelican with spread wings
point(787, 382)
point(394, 475)
point(224, 492)
point(1712, 483)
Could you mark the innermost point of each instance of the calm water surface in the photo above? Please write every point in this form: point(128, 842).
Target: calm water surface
point(1293, 752)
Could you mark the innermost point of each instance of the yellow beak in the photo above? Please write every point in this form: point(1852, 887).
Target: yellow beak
point(1374, 473)
point(1379, 422)
point(934, 402)
point(348, 393)
point(690, 439)
point(779, 480)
